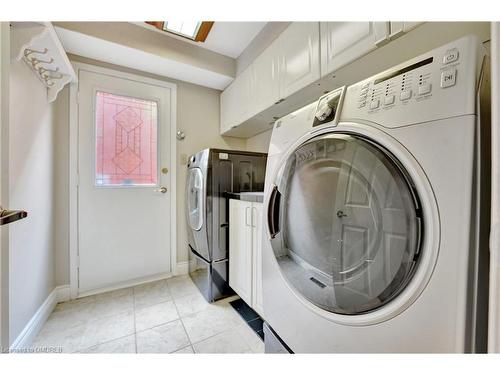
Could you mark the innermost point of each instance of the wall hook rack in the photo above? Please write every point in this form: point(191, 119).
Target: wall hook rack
point(39, 46)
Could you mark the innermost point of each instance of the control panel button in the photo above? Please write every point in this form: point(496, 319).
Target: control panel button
point(374, 104)
point(424, 89)
point(448, 78)
point(362, 104)
point(450, 56)
point(389, 100)
point(405, 95)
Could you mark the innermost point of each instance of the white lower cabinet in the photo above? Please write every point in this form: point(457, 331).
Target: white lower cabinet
point(245, 251)
point(257, 304)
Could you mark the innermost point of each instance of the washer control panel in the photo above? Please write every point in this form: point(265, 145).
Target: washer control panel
point(436, 85)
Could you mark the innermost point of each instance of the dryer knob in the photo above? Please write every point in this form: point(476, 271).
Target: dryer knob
point(323, 111)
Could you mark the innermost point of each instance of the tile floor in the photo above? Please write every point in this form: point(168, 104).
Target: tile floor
point(166, 316)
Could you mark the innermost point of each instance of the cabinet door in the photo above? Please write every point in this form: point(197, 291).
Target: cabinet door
point(299, 66)
point(344, 42)
point(228, 108)
point(240, 248)
point(265, 84)
point(257, 220)
point(235, 102)
point(400, 27)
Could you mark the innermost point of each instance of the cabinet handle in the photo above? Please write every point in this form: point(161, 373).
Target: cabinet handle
point(273, 212)
point(246, 217)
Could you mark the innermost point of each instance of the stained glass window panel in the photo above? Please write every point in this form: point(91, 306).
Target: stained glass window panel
point(126, 141)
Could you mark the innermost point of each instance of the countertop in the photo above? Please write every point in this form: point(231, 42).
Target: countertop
point(249, 196)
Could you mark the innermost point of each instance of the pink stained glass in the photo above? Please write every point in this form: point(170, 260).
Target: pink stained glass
point(126, 141)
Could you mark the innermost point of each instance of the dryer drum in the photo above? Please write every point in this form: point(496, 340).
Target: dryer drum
point(349, 223)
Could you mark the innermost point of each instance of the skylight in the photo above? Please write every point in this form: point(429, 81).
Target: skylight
point(194, 30)
point(188, 29)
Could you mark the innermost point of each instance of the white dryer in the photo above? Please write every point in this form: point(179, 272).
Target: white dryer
point(371, 242)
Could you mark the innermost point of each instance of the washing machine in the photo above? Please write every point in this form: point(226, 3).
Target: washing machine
point(373, 200)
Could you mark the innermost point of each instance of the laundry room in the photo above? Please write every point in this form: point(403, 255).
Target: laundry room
point(248, 184)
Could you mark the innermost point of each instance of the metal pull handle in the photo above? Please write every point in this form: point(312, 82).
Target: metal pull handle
point(9, 216)
point(246, 217)
point(162, 190)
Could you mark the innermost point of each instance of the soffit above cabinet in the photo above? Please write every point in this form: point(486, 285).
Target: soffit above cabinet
point(135, 47)
point(226, 38)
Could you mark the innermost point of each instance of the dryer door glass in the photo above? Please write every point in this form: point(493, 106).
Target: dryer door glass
point(347, 225)
point(195, 198)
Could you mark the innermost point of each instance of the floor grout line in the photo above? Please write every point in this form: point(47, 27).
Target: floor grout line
point(183, 326)
point(134, 309)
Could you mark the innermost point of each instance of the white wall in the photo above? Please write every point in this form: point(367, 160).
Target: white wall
point(260, 142)
point(31, 167)
point(197, 116)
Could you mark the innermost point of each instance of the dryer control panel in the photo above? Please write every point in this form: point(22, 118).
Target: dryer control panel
point(438, 84)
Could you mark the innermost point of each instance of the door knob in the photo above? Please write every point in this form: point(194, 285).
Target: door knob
point(162, 190)
point(341, 214)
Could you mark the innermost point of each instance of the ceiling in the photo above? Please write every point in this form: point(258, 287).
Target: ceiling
point(227, 38)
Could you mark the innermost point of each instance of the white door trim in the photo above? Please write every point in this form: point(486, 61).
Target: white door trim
point(4, 182)
point(494, 291)
point(73, 165)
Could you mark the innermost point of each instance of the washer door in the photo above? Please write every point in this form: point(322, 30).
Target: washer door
point(195, 198)
point(345, 223)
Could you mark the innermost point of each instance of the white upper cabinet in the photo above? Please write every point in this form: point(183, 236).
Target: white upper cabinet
point(302, 54)
point(401, 27)
point(265, 86)
point(344, 42)
point(299, 57)
point(227, 107)
point(289, 64)
point(235, 102)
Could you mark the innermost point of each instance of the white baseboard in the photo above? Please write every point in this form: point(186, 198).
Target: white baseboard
point(62, 293)
point(28, 334)
point(182, 268)
point(126, 284)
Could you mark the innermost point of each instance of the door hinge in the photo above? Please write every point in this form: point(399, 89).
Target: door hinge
point(77, 182)
point(78, 261)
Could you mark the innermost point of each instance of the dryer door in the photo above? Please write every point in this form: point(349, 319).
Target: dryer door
point(195, 198)
point(345, 223)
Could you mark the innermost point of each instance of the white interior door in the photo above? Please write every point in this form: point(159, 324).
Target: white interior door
point(124, 216)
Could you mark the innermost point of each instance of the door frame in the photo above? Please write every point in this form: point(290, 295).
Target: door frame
point(73, 168)
point(494, 282)
point(4, 183)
